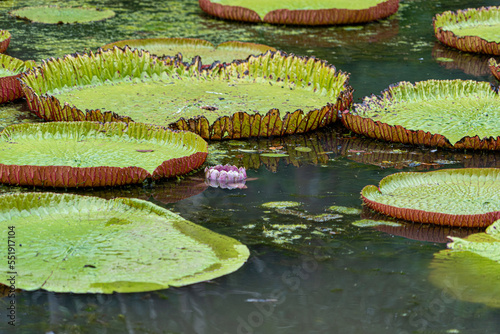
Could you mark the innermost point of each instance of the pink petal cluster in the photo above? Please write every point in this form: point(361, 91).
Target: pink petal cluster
point(226, 176)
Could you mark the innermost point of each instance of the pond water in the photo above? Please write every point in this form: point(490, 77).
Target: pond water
point(332, 276)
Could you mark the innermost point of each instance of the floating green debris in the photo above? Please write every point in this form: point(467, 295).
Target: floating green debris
point(316, 218)
point(344, 210)
point(372, 223)
point(282, 233)
point(303, 149)
point(274, 155)
point(281, 205)
point(443, 59)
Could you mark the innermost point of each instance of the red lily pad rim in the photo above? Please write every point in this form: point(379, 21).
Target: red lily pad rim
point(101, 176)
point(303, 17)
point(473, 44)
point(430, 217)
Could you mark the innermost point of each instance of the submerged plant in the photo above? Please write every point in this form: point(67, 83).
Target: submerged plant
point(301, 12)
point(84, 244)
point(445, 113)
point(465, 197)
point(470, 30)
point(226, 176)
point(238, 100)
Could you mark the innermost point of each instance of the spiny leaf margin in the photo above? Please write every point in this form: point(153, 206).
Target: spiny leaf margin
point(84, 69)
point(466, 43)
point(354, 121)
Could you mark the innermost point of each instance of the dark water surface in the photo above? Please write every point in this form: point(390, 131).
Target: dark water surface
point(333, 277)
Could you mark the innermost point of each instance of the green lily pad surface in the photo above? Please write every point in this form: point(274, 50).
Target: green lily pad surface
point(4, 40)
point(61, 15)
point(454, 197)
point(446, 113)
point(306, 12)
point(471, 30)
point(85, 244)
point(191, 47)
point(88, 154)
point(469, 271)
point(239, 100)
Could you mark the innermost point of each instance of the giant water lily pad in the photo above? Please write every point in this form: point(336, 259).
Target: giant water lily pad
point(303, 12)
point(471, 30)
point(10, 70)
point(494, 68)
point(470, 269)
point(191, 47)
point(85, 244)
point(88, 154)
point(4, 40)
point(267, 95)
point(61, 15)
point(455, 197)
point(445, 113)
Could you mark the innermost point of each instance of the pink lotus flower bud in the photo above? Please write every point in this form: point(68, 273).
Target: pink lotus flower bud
point(226, 176)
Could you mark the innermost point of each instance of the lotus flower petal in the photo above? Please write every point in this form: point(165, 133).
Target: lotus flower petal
point(226, 176)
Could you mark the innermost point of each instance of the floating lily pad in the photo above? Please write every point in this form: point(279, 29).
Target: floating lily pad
point(4, 40)
point(344, 210)
point(88, 154)
point(373, 223)
point(444, 113)
point(86, 244)
point(303, 12)
point(239, 100)
point(191, 47)
point(61, 15)
point(10, 71)
point(466, 197)
point(494, 68)
point(281, 204)
point(469, 271)
point(470, 30)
